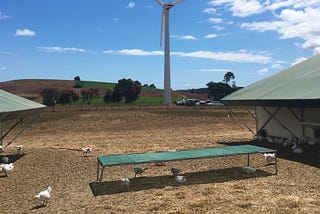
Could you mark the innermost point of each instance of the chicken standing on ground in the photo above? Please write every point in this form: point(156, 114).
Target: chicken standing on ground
point(19, 148)
point(175, 171)
point(6, 167)
point(87, 150)
point(270, 157)
point(125, 183)
point(180, 179)
point(138, 170)
point(249, 169)
point(44, 196)
point(5, 159)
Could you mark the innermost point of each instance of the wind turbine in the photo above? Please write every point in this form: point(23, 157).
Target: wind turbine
point(165, 26)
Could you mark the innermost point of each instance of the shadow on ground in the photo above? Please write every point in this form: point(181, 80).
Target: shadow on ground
point(310, 156)
point(38, 207)
point(12, 157)
point(159, 182)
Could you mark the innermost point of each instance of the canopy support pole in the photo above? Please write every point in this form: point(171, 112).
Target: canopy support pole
point(25, 127)
point(282, 125)
point(10, 129)
point(270, 116)
point(232, 113)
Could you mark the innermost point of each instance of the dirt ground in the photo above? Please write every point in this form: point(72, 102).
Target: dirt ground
point(51, 156)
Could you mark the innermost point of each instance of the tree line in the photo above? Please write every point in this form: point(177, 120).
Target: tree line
point(127, 90)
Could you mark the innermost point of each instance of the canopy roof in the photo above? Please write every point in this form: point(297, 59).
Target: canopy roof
point(298, 85)
point(120, 159)
point(11, 104)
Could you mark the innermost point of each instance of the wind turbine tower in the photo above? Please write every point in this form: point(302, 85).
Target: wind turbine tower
point(165, 26)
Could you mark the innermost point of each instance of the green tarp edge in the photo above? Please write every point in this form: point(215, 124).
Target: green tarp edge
point(121, 159)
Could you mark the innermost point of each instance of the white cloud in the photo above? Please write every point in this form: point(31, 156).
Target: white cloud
point(210, 36)
point(25, 32)
point(109, 52)
point(263, 71)
point(5, 53)
point(134, 52)
point(241, 8)
point(296, 4)
point(2, 68)
point(217, 27)
point(298, 60)
point(214, 70)
point(240, 56)
point(316, 50)
point(304, 24)
point(276, 66)
point(219, 2)
point(60, 49)
point(210, 10)
point(215, 20)
point(115, 19)
point(131, 5)
point(183, 37)
point(3, 16)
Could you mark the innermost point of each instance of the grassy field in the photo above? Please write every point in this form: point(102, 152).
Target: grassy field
point(142, 100)
point(52, 156)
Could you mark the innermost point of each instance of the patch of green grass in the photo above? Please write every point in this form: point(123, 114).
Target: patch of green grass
point(194, 112)
point(147, 88)
point(141, 101)
point(149, 100)
point(93, 84)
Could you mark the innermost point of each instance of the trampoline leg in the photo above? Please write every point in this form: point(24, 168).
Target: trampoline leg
point(276, 165)
point(98, 168)
point(101, 174)
point(248, 162)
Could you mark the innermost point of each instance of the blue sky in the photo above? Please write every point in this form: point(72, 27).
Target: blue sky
point(104, 40)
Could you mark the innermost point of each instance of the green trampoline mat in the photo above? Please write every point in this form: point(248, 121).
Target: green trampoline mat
point(121, 159)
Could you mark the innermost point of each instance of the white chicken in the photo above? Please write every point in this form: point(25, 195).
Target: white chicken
point(6, 167)
point(5, 159)
point(298, 150)
point(180, 179)
point(248, 170)
point(87, 150)
point(270, 157)
point(19, 148)
point(125, 183)
point(44, 196)
point(1, 149)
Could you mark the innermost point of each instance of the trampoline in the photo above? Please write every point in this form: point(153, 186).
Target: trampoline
point(164, 156)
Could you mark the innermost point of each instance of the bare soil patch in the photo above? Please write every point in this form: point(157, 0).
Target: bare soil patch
point(51, 156)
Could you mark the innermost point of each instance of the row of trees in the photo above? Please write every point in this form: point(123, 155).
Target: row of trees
point(51, 96)
point(125, 88)
point(128, 90)
point(218, 90)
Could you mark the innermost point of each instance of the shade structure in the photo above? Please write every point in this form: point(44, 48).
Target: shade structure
point(120, 159)
point(16, 108)
point(298, 85)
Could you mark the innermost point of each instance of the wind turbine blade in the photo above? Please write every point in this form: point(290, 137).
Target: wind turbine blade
point(162, 26)
point(177, 2)
point(160, 2)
